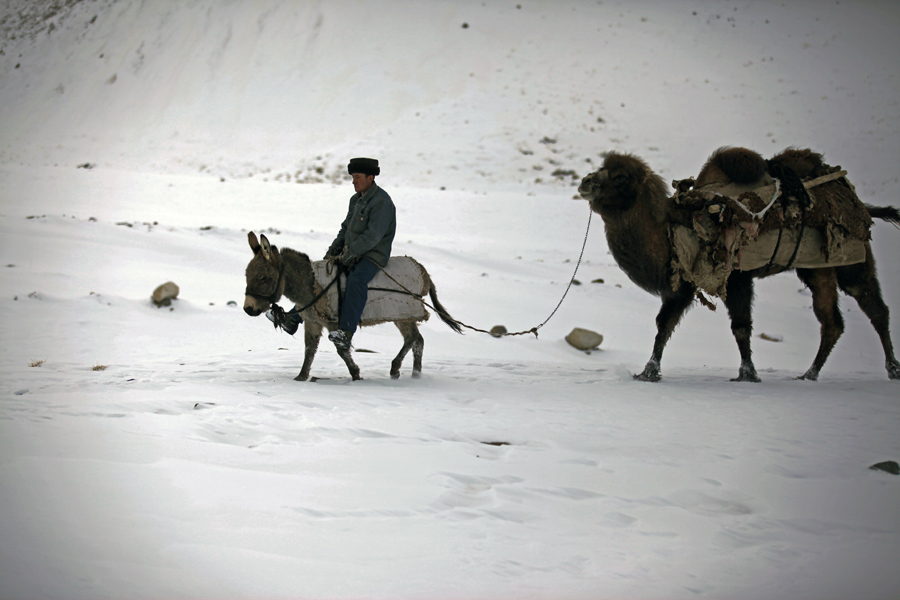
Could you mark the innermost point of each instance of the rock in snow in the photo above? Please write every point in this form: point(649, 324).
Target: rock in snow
point(584, 339)
point(164, 294)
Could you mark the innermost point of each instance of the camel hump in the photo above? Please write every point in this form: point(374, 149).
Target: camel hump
point(804, 162)
point(732, 165)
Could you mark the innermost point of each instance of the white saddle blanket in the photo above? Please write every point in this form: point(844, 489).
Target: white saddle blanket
point(383, 303)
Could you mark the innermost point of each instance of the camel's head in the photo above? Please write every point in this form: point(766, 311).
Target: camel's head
point(618, 183)
point(263, 276)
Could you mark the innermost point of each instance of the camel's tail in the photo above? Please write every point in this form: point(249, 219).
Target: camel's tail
point(885, 213)
point(442, 312)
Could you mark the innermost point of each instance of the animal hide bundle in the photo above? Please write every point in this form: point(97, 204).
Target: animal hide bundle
point(387, 300)
point(715, 231)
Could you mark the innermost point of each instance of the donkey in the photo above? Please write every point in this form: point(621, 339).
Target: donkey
point(273, 273)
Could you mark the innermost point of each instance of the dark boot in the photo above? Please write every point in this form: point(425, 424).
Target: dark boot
point(341, 339)
point(288, 321)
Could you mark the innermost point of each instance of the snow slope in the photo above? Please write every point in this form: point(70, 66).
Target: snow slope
point(160, 453)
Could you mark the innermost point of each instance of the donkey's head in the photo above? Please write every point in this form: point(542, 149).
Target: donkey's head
point(264, 285)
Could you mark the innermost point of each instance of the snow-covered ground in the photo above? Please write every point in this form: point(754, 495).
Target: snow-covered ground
point(157, 453)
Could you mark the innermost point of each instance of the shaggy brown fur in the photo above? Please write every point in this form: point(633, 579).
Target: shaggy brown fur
point(634, 204)
point(273, 273)
point(635, 208)
point(731, 165)
point(806, 163)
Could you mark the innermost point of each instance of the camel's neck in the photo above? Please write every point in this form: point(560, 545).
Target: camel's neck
point(640, 244)
point(299, 281)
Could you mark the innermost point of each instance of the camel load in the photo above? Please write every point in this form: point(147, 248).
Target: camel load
point(724, 217)
point(810, 217)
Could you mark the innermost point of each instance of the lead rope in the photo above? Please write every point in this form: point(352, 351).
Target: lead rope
point(534, 329)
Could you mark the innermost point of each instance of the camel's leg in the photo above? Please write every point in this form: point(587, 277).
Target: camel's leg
point(412, 339)
point(670, 313)
point(312, 332)
point(823, 285)
point(739, 302)
point(347, 357)
point(861, 282)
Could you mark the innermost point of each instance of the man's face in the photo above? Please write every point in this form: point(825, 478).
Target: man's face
point(362, 182)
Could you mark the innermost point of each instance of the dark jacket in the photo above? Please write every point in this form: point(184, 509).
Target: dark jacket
point(369, 227)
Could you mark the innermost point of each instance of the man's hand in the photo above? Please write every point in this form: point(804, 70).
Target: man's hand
point(347, 259)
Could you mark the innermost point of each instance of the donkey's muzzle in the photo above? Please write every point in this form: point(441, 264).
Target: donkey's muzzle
point(252, 311)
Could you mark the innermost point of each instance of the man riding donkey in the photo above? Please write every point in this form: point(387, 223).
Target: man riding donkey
point(362, 247)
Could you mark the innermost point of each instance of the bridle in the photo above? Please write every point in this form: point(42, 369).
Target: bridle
point(276, 293)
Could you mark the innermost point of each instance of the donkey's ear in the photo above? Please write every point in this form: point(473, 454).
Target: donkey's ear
point(266, 248)
point(254, 243)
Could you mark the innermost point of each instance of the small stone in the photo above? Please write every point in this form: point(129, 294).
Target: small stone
point(164, 294)
point(888, 466)
point(498, 331)
point(584, 339)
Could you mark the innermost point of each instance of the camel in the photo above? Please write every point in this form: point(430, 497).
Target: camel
point(272, 273)
point(637, 212)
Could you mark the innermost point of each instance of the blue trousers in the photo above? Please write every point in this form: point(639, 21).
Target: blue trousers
point(356, 294)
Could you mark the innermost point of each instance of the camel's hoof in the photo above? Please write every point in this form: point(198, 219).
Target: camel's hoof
point(647, 377)
point(893, 370)
point(747, 372)
point(748, 377)
point(651, 371)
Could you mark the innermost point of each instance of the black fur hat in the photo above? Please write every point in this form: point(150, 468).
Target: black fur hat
point(366, 166)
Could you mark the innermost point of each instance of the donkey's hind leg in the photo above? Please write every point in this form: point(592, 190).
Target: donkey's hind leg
point(823, 285)
point(861, 282)
point(412, 339)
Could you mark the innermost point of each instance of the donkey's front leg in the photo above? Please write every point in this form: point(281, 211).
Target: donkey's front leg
point(312, 333)
point(347, 358)
point(351, 366)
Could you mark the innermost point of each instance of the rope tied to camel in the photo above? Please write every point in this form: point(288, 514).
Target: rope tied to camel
point(792, 188)
point(533, 330)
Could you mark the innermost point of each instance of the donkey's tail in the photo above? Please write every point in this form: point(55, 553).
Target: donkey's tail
point(885, 213)
point(442, 312)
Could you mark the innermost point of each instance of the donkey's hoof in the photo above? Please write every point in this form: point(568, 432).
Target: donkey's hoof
point(416, 374)
point(395, 374)
point(301, 377)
